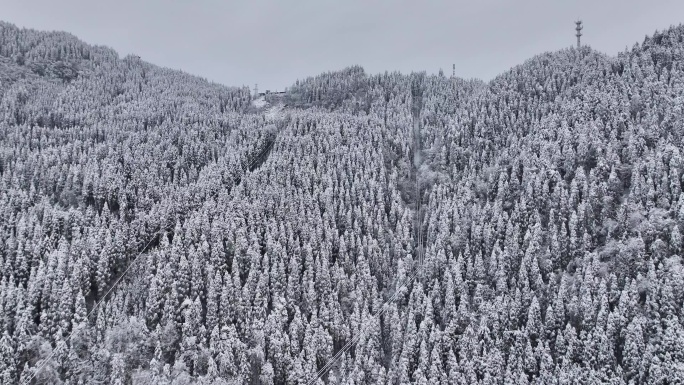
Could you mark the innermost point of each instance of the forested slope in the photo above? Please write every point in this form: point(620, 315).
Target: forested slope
point(552, 199)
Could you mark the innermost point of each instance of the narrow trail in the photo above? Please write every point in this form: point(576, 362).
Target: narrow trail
point(262, 156)
point(273, 115)
point(417, 106)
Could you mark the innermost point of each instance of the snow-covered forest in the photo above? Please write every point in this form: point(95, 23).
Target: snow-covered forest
point(156, 228)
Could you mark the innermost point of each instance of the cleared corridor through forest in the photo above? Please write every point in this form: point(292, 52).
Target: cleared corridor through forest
point(417, 106)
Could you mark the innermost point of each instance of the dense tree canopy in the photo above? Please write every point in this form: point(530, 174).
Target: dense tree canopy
point(257, 242)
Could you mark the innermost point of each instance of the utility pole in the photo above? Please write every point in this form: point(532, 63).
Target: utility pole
point(578, 28)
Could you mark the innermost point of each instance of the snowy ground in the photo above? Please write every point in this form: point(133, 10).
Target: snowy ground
point(260, 102)
point(274, 112)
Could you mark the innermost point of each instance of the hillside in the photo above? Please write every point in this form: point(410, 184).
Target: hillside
point(156, 228)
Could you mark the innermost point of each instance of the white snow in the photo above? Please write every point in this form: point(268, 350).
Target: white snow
point(259, 103)
point(274, 112)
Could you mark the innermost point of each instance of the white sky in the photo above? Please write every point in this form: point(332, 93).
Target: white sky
point(273, 43)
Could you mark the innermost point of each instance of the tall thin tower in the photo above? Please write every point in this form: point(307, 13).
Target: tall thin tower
point(256, 90)
point(453, 73)
point(578, 28)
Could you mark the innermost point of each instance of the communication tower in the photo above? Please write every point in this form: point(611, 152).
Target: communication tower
point(578, 28)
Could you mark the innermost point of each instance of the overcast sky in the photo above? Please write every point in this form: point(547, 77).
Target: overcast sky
point(273, 43)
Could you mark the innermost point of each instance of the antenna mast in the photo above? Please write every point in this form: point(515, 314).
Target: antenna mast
point(453, 74)
point(578, 28)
